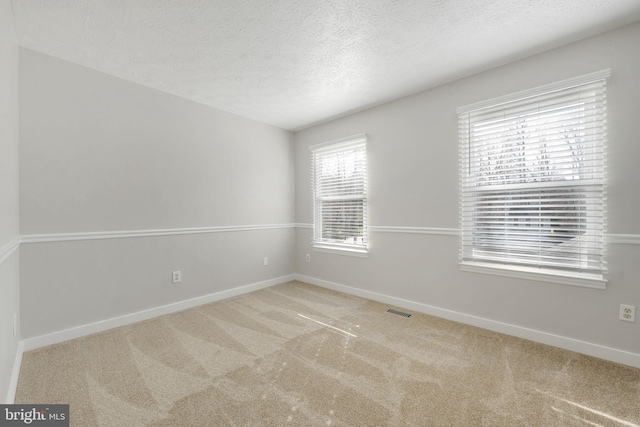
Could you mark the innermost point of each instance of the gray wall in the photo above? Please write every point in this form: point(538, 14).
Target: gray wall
point(9, 230)
point(413, 182)
point(100, 154)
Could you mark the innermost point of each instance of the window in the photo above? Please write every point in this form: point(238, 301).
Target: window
point(532, 177)
point(339, 175)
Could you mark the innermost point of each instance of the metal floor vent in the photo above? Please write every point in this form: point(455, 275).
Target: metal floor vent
point(399, 313)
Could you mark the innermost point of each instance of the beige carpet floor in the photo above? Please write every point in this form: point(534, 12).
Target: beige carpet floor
point(300, 355)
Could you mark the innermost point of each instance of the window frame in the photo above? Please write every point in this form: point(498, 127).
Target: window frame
point(467, 259)
point(318, 242)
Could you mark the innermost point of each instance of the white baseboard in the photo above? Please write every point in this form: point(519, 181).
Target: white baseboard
point(15, 373)
point(595, 350)
point(103, 325)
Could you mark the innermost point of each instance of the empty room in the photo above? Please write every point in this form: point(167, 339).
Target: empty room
point(319, 213)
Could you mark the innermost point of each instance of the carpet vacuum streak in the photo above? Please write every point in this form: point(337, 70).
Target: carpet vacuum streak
point(301, 355)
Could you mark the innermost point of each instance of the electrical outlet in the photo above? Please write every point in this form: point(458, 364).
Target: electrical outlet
point(308, 258)
point(627, 313)
point(177, 276)
point(266, 261)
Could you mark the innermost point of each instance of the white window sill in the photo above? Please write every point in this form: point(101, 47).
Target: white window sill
point(357, 252)
point(530, 273)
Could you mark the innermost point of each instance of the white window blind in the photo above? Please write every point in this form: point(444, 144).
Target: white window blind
point(339, 179)
point(532, 176)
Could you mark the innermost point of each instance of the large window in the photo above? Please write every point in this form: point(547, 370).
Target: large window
point(532, 176)
point(339, 174)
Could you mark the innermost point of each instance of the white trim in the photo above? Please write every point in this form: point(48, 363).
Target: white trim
point(15, 374)
point(127, 319)
point(415, 230)
point(563, 84)
point(343, 142)
point(590, 349)
point(7, 250)
point(569, 278)
point(97, 235)
point(629, 239)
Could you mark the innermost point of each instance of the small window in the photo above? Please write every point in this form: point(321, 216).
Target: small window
point(339, 176)
point(533, 183)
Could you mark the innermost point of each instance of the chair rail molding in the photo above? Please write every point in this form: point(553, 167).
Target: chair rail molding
point(98, 235)
point(7, 250)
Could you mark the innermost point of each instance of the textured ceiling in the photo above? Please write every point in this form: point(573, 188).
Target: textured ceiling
point(293, 63)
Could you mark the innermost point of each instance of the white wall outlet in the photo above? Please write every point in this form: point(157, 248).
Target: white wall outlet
point(627, 313)
point(308, 258)
point(266, 260)
point(177, 276)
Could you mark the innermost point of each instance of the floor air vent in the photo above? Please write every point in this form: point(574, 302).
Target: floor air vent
point(399, 313)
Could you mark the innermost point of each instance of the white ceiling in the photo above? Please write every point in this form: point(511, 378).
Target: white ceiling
point(294, 63)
